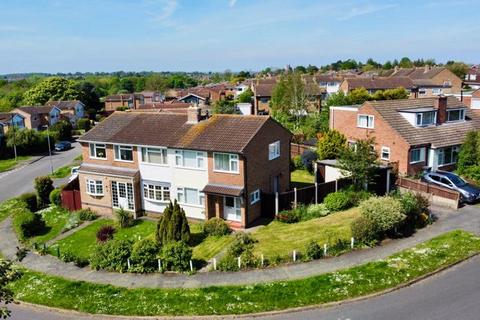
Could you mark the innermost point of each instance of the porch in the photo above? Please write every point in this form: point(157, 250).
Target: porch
point(226, 202)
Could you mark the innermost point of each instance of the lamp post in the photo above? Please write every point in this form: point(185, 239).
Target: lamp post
point(49, 149)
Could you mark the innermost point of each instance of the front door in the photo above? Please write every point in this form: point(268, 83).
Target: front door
point(122, 195)
point(232, 208)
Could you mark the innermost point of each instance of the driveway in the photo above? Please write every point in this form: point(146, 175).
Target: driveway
point(20, 180)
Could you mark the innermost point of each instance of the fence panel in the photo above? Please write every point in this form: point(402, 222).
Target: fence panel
point(428, 188)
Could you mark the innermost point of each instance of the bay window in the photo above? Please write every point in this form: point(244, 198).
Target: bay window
point(94, 187)
point(156, 192)
point(417, 155)
point(448, 155)
point(226, 162)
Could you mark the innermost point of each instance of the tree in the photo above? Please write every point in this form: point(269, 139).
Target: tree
point(64, 129)
point(54, 88)
point(225, 107)
point(459, 68)
point(156, 82)
point(43, 187)
point(89, 95)
point(173, 225)
point(312, 69)
point(359, 96)
point(405, 62)
point(331, 145)
point(469, 152)
point(300, 69)
point(390, 94)
point(359, 162)
point(246, 96)
point(290, 94)
point(7, 274)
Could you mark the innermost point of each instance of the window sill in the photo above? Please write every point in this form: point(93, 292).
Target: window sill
point(254, 202)
point(154, 164)
point(365, 127)
point(192, 205)
point(385, 159)
point(190, 168)
point(228, 172)
point(96, 194)
point(127, 161)
point(156, 201)
point(270, 159)
point(415, 162)
point(97, 158)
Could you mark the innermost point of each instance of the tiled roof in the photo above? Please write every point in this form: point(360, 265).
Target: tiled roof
point(107, 170)
point(264, 89)
point(429, 83)
point(35, 110)
point(381, 83)
point(223, 133)
point(222, 189)
point(418, 73)
point(446, 134)
point(164, 105)
point(5, 116)
point(119, 97)
point(63, 105)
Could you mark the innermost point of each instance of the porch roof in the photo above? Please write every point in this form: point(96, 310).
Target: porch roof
point(222, 189)
point(108, 171)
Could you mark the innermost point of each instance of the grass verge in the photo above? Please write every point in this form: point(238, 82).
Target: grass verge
point(10, 163)
point(361, 280)
point(7, 207)
point(61, 172)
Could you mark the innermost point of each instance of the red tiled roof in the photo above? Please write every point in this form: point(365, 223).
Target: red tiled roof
point(222, 189)
point(380, 83)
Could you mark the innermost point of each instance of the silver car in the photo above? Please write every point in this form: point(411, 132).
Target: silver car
point(468, 192)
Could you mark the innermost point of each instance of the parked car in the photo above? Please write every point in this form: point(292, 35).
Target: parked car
point(468, 192)
point(73, 173)
point(63, 145)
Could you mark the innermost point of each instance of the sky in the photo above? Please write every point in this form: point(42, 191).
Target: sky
point(216, 35)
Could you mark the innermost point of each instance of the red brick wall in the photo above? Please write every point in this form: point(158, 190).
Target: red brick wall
point(110, 160)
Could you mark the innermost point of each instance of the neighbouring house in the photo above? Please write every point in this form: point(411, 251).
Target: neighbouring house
point(412, 133)
point(193, 98)
point(163, 106)
point(241, 88)
point(38, 117)
point(73, 110)
point(262, 94)
point(472, 78)
point(132, 100)
point(10, 119)
point(330, 82)
point(475, 100)
point(219, 166)
point(376, 84)
point(431, 81)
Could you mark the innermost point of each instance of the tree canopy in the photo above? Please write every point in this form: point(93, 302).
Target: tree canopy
point(54, 88)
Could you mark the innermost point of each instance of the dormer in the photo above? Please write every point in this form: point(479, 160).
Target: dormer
point(420, 117)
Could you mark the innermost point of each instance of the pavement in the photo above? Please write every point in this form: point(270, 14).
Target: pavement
point(467, 218)
point(20, 180)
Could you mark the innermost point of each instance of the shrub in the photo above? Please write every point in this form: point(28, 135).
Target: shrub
point(64, 129)
point(176, 256)
point(83, 124)
point(413, 206)
point(315, 211)
point(30, 200)
point(357, 196)
point(27, 224)
point(124, 218)
point(228, 263)
point(43, 187)
point(297, 162)
point(364, 231)
point(55, 197)
point(173, 225)
point(288, 216)
point(313, 251)
point(216, 227)
point(86, 215)
point(111, 255)
point(144, 256)
point(105, 233)
point(73, 221)
point(242, 242)
point(337, 201)
point(385, 213)
point(308, 157)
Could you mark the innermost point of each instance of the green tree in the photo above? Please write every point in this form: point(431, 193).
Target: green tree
point(469, 152)
point(459, 68)
point(359, 162)
point(43, 187)
point(390, 94)
point(359, 96)
point(336, 99)
point(156, 82)
point(173, 225)
point(331, 145)
point(246, 96)
point(64, 129)
point(405, 62)
point(225, 107)
point(54, 88)
point(8, 273)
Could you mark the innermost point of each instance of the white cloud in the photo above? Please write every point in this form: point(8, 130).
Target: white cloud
point(232, 3)
point(368, 9)
point(166, 9)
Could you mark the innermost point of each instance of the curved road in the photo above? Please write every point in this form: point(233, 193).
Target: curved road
point(452, 294)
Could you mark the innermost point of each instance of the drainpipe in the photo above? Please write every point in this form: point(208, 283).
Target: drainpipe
point(245, 196)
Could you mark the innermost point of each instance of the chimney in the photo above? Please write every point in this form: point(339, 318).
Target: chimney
point(427, 68)
point(194, 114)
point(440, 103)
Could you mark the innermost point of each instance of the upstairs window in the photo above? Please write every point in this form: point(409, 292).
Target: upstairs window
point(190, 159)
point(154, 155)
point(365, 121)
point(274, 150)
point(385, 154)
point(225, 162)
point(426, 118)
point(98, 151)
point(123, 153)
point(255, 196)
point(456, 115)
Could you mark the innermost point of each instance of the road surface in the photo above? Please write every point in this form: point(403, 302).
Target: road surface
point(18, 181)
point(452, 294)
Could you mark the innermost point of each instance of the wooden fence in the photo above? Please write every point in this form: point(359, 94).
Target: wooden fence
point(298, 149)
point(420, 186)
point(71, 199)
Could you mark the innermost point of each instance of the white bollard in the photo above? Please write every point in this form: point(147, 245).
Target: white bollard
point(159, 265)
point(262, 260)
point(325, 250)
point(214, 263)
point(128, 263)
point(239, 263)
point(352, 242)
point(191, 266)
point(294, 255)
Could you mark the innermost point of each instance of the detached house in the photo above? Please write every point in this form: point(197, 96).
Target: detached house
point(72, 110)
point(214, 167)
point(376, 83)
point(38, 117)
point(412, 133)
point(8, 120)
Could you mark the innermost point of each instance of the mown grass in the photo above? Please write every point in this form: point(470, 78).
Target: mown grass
point(301, 178)
point(61, 172)
point(7, 207)
point(11, 163)
point(364, 279)
point(55, 220)
point(280, 239)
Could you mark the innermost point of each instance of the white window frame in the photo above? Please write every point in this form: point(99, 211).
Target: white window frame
point(421, 156)
point(93, 147)
point(462, 115)
point(117, 148)
point(200, 197)
point(255, 196)
point(96, 185)
point(385, 150)
point(274, 150)
point(421, 114)
point(164, 189)
point(200, 158)
point(162, 151)
point(233, 158)
point(437, 90)
point(441, 154)
point(370, 121)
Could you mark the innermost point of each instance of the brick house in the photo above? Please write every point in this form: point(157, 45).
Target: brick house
point(377, 83)
point(38, 117)
point(411, 133)
point(8, 120)
point(472, 78)
point(215, 167)
point(73, 110)
point(132, 100)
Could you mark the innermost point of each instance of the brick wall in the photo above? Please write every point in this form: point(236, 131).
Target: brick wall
point(110, 160)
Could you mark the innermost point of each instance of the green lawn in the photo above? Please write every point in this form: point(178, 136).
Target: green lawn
point(210, 247)
point(55, 219)
point(7, 207)
point(278, 238)
point(357, 281)
point(61, 172)
point(301, 178)
point(11, 163)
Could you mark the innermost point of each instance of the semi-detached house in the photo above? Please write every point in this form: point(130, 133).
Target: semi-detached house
point(411, 133)
point(215, 167)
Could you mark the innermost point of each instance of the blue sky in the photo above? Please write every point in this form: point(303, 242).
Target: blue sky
point(190, 35)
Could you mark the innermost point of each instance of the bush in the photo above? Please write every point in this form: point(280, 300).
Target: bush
point(357, 196)
point(364, 231)
point(385, 213)
point(288, 216)
point(173, 225)
point(337, 201)
point(144, 256)
point(86, 215)
point(73, 221)
point(124, 218)
point(30, 200)
point(105, 233)
point(111, 255)
point(308, 157)
point(297, 162)
point(315, 211)
point(242, 242)
point(413, 205)
point(55, 197)
point(313, 251)
point(176, 256)
point(43, 187)
point(27, 224)
point(241, 247)
point(84, 124)
point(64, 129)
point(216, 227)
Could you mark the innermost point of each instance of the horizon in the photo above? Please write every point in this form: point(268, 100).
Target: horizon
point(51, 36)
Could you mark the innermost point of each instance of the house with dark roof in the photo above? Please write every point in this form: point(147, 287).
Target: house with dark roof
point(132, 100)
point(376, 84)
point(73, 110)
point(410, 134)
point(37, 117)
point(219, 166)
point(472, 78)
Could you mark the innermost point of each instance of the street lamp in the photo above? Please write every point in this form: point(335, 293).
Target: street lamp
point(49, 149)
